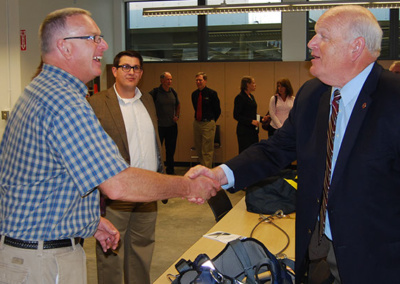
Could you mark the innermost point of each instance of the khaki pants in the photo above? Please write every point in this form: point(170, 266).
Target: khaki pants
point(131, 262)
point(204, 134)
point(29, 266)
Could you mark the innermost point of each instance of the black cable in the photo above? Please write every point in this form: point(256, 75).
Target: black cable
point(270, 219)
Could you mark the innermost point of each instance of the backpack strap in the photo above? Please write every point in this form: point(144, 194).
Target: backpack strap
point(154, 94)
point(176, 96)
point(244, 259)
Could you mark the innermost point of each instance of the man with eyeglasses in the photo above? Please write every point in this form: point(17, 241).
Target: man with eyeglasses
point(129, 117)
point(55, 157)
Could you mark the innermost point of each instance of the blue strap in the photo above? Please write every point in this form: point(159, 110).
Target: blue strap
point(244, 259)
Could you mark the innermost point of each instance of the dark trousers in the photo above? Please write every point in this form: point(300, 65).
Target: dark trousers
point(271, 131)
point(322, 261)
point(169, 134)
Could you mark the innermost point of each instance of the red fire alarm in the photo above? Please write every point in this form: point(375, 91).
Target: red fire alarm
point(23, 39)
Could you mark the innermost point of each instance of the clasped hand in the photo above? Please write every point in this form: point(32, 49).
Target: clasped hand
point(107, 235)
point(206, 184)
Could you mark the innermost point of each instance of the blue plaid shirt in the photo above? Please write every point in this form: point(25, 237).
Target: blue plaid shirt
point(53, 154)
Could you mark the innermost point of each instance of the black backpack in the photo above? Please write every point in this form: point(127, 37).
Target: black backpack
point(241, 261)
point(273, 193)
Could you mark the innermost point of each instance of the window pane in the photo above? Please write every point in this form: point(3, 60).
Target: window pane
point(172, 38)
point(247, 36)
point(382, 15)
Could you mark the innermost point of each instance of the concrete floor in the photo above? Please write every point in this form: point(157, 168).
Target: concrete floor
point(179, 225)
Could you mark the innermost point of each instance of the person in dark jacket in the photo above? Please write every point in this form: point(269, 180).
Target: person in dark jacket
point(207, 110)
point(361, 165)
point(245, 112)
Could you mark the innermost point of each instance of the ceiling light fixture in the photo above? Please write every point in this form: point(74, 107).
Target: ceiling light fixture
point(267, 7)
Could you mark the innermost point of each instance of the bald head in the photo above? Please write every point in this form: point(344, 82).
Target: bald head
point(348, 39)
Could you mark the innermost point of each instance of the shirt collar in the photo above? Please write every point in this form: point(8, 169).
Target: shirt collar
point(65, 76)
point(137, 96)
point(352, 89)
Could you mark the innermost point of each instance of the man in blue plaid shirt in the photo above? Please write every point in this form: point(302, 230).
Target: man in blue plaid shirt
point(54, 155)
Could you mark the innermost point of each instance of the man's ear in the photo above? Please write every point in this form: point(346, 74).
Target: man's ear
point(114, 71)
point(65, 48)
point(357, 48)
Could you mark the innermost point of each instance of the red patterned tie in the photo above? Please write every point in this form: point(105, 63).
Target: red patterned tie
point(199, 110)
point(328, 169)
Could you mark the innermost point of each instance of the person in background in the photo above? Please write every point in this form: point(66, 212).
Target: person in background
point(207, 110)
point(129, 117)
point(343, 133)
point(395, 67)
point(245, 112)
point(280, 105)
point(168, 111)
point(55, 158)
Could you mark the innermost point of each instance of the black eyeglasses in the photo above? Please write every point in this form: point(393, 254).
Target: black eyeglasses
point(127, 68)
point(95, 38)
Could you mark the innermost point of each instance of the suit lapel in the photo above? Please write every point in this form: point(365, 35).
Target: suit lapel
point(356, 119)
point(321, 130)
point(116, 114)
point(323, 121)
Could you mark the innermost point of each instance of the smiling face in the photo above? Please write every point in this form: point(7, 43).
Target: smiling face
point(126, 82)
point(200, 82)
point(331, 50)
point(85, 53)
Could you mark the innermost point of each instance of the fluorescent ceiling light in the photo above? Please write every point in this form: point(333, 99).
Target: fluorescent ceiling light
point(224, 8)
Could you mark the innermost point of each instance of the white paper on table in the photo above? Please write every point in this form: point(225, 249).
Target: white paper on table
point(223, 237)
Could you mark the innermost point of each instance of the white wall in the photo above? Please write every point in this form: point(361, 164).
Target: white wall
point(294, 40)
point(10, 79)
point(17, 67)
point(32, 13)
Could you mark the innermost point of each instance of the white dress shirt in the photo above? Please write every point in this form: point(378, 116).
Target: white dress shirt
point(140, 132)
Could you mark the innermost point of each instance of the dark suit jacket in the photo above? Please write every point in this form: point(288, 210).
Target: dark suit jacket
point(245, 111)
point(211, 108)
point(106, 107)
point(364, 198)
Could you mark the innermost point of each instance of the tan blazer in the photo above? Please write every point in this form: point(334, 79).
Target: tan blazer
point(106, 107)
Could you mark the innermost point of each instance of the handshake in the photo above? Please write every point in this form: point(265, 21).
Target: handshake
point(204, 183)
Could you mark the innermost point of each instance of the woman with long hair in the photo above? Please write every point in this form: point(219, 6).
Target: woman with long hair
point(280, 105)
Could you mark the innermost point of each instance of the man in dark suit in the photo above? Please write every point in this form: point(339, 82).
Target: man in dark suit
point(130, 118)
point(360, 239)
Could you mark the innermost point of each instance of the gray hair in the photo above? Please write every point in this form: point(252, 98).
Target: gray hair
point(162, 76)
point(53, 24)
point(362, 23)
